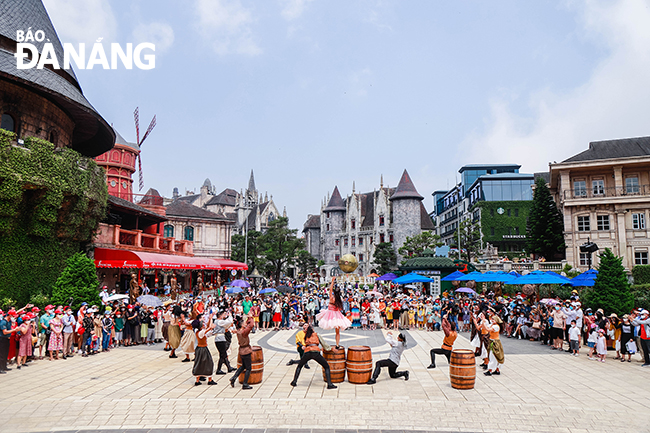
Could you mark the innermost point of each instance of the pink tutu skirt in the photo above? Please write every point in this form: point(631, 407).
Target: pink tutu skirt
point(331, 319)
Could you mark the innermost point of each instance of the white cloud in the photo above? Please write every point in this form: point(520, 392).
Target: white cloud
point(611, 103)
point(85, 21)
point(227, 23)
point(160, 34)
point(293, 9)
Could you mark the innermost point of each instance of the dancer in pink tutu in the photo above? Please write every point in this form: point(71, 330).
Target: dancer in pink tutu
point(332, 318)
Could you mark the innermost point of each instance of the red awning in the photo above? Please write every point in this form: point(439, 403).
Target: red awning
point(231, 264)
point(110, 258)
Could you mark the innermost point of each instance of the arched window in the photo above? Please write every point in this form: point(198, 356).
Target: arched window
point(169, 231)
point(8, 123)
point(271, 217)
point(189, 233)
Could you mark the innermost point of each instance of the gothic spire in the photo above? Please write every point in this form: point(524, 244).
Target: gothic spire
point(251, 183)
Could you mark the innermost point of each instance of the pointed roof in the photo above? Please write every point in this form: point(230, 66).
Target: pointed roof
point(92, 135)
point(336, 203)
point(251, 182)
point(121, 140)
point(406, 189)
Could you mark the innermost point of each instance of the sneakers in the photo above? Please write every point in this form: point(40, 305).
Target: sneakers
point(219, 372)
point(406, 375)
point(212, 382)
point(371, 381)
point(331, 386)
point(644, 365)
point(307, 366)
point(185, 360)
point(432, 366)
point(488, 373)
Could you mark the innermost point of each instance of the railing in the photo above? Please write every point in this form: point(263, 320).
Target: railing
point(597, 192)
point(520, 267)
point(113, 235)
point(448, 233)
point(449, 218)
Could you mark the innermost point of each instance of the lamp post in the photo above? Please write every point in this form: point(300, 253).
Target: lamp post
point(589, 248)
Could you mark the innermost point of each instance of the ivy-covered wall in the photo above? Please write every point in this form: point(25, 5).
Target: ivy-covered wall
point(503, 224)
point(51, 202)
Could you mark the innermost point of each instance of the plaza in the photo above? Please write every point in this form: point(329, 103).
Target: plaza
point(140, 389)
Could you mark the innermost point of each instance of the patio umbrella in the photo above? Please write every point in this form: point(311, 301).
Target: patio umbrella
point(412, 278)
point(116, 297)
point(453, 276)
point(491, 277)
point(240, 283)
point(515, 274)
point(233, 290)
point(285, 289)
point(149, 301)
point(375, 293)
point(387, 277)
point(567, 280)
point(586, 279)
point(465, 290)
point(267, 291)
point(373, 275)
point(549, 301)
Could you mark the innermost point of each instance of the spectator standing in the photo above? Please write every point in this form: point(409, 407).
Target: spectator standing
point(643, 322)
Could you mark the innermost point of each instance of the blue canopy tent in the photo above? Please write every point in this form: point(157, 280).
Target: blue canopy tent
point(470, 277)
point(566, 280)
point(491, 277)
point(412, 278)
point(539, 277)
point(515, 274)
point(453, 276)
point(386, 277)
point(586, 279)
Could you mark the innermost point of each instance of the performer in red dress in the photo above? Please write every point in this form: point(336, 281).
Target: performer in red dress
point(332, 318)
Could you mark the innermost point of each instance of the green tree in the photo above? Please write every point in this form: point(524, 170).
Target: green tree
point(544, 228)
point(385, 258)
point(414, 245)
point(255, 249)
point(306, 262)
point(611, 292)
point(470, 239)
point(281, 246)
point(77, 283)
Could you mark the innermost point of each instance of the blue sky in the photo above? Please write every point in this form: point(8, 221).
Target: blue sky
point(315, 93)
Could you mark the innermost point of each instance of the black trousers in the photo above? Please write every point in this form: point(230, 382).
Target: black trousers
point(440, 351)
point(245, 366)
point(4, 352)
point(392, 369)
point(645, 345)
point(222, 347)
point(316, 356)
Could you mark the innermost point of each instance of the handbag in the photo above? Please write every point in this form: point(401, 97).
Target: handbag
point(34, 339)
point(81, 330)
point(537, 325)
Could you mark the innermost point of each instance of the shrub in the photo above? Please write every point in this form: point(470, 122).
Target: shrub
point(641, 274)
point(77, 283)
point(611, 292)
point(641, 294)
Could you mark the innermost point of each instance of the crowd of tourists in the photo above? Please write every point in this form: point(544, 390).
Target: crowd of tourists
point(57, 333)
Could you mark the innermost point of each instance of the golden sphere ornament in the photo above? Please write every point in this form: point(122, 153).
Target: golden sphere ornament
point(348, 263)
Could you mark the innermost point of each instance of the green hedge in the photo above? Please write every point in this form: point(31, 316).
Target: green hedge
point(501, 223)
point(51, 202)
point(641, 293)
point(641, 274)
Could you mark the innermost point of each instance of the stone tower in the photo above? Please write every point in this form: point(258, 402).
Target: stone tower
point(407, 218)
point(332, 224)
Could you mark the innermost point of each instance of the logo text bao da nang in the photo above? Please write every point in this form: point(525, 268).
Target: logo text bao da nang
point(28, 57)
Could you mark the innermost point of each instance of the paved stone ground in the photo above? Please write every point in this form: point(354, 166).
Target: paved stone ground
point(140, 389)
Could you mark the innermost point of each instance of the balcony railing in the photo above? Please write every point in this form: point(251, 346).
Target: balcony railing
point(449, 218)
point(591, 193)
point(114, 236)
point(520, 267)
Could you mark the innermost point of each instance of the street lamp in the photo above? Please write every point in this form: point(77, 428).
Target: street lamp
point(589, 248)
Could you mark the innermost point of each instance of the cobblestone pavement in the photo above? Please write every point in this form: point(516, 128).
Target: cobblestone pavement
point(140, 389)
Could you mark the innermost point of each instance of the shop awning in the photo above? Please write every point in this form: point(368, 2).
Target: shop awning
point(113, 258)
point(231, 264)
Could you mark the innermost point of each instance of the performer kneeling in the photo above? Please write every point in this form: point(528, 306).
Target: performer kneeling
point(397, 347)
point(447, 343)
point(312, 351)
point(203, 363)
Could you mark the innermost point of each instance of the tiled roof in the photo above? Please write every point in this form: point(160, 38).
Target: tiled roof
point(152, 197)
point(544, 175)
point(121, 140)
point(183, 209)
point(406, 189)
point(621, 148)
point(227, 197)
point(426, 222)
point(313, 222)
point(428, 263)
point(92, 135)
point(336, 203)
point(134, 208)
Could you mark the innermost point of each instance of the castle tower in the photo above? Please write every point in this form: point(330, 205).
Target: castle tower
point(332, 220)
point(407, 218)
point(119, 164)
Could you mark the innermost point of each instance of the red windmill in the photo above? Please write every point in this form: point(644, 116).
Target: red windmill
point(136, 117)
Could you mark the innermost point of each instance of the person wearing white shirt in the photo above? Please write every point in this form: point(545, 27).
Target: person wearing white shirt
point(397, 348)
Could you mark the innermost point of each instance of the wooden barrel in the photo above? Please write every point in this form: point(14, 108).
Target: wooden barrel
point(257, 366)
point(462, 369)
point(359, 364)
point(336, 359)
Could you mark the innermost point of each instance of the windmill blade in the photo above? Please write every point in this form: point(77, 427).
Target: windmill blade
point(136, 118)
point(140, 172)
point(149, 129)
